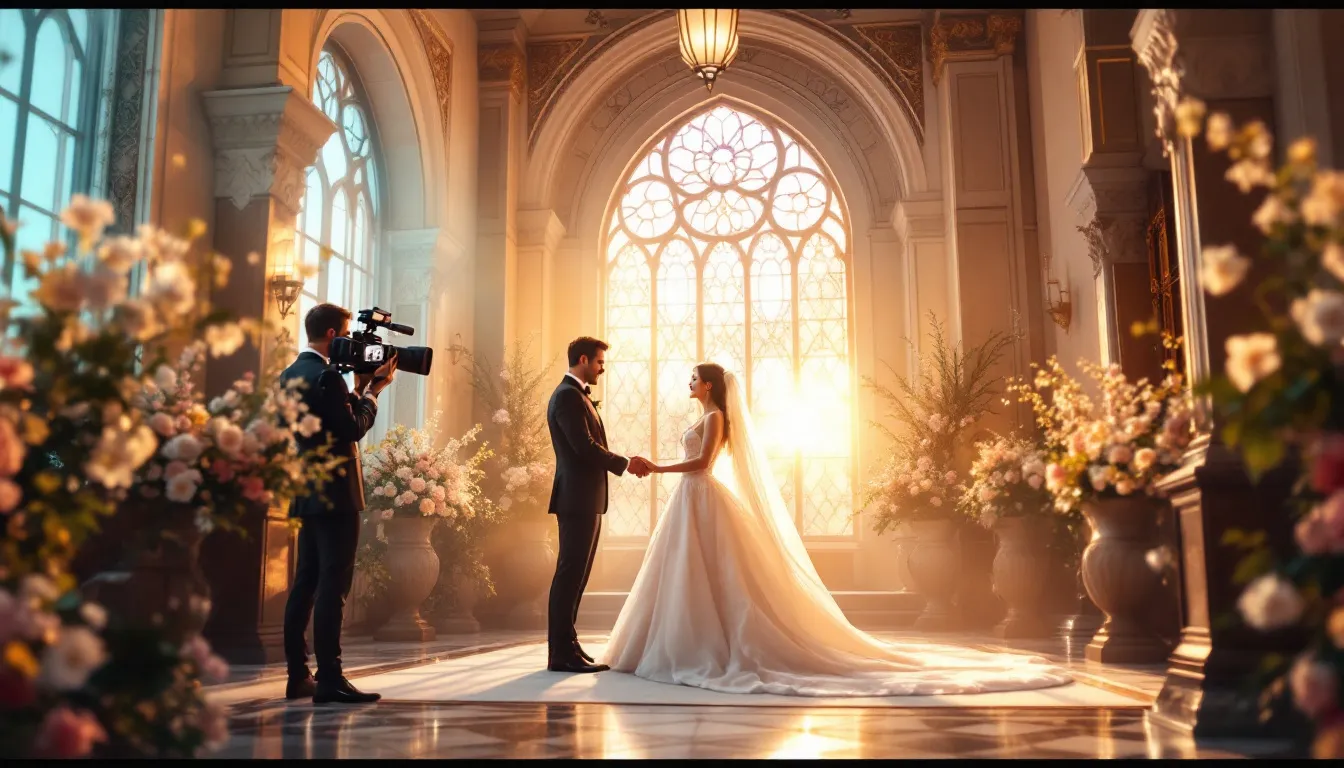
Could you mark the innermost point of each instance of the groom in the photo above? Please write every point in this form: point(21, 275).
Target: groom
point(578, 497)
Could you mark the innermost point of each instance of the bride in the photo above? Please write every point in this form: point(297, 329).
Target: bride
point(727, 598)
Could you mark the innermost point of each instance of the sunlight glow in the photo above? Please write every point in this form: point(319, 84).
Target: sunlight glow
point(729, 244)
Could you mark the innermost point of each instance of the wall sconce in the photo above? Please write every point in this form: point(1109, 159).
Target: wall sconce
point(1057, 300)
point(456, 349)
point(285, 287)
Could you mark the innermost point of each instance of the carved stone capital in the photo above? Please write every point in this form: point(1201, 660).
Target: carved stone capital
point(1181, 61)
point(502, 63)
point(540, 228)
point(973, 36)
point(918, 219)
point(264, 140)
point(1110, 206)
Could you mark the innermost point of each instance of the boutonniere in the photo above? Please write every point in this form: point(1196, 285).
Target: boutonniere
point(597, 405)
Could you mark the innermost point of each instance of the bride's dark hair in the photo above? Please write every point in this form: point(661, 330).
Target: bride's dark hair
point(713, 375)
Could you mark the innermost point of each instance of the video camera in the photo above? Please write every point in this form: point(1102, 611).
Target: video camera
point(363, 352)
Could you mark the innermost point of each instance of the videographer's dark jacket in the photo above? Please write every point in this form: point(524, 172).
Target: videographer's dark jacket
point(346, 417)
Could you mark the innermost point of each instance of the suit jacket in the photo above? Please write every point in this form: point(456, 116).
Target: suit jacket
point(582, 460)
point(345, 420)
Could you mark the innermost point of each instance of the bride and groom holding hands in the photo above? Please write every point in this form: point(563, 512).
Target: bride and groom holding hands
point(727, 597)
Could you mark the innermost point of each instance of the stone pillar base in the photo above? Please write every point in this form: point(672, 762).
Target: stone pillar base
point(1134, 647)
point(415, 630)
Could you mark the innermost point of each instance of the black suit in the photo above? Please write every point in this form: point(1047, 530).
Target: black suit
point(578, 500)
point(329, 538)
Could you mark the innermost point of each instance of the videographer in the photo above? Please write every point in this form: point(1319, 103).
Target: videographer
point(329, 537)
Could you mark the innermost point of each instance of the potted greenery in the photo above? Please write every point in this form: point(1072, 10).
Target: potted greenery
point(917, 485)
point(517, 480)
point(1106, 456)
point(413, 486)
point(1007, 495)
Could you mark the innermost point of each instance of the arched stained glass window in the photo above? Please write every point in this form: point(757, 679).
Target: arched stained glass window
point(728, 243)
point(48, 104)
point(340, 205)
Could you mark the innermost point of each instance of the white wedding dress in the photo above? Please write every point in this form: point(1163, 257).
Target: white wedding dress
point(727, 599)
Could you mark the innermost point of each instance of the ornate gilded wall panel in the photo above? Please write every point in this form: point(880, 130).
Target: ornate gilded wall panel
point(440, 54)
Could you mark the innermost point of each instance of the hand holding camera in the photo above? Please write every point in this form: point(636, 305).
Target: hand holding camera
point(379, 378)
point(372, 361)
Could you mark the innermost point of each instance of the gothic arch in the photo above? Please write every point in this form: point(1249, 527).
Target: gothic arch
point(391, 62)
point(815, 83)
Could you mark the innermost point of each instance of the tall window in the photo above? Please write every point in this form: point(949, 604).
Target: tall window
point(729, 244)
point(340, 205)
point(48, 114)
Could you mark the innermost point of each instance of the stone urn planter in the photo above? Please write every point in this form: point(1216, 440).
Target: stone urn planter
point(522, 563)
point(935, 570)
point(460, 618)
point(1119, 580)
point(412, 570)
point(1022, 570)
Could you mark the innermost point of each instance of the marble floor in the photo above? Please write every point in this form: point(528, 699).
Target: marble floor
point(264, 725)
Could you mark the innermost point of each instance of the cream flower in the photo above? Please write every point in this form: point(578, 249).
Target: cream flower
point(1270, 602)
point(1273, 211)
point(426, 506)
point(1320, 317)
point(1332, 258)
point(182, 487)
point(1222, 268)
point(1249, 174)
point(1322, 206)
point(1218, 131)
point(89, 218)
point(118, 454)
point(223, 339)
point(67, 664)
point(1250, 358)
point(61, 289)
point(501, 417)
point(309, 425)
point(1315, 689)
point(1189, 116)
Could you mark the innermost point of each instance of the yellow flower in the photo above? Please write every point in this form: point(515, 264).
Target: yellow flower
point(1302, 151)
point(1190, 117)
point(21, 659)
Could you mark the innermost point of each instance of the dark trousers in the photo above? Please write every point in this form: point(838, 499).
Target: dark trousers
point(322, 578)
point(578, 546)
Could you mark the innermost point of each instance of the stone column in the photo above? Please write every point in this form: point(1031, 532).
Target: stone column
point(500, 64)
point(1110, 195)
point(539, 236)
point(1226, 58)
point(972, 55)
point(265, 138)
point(416, 260)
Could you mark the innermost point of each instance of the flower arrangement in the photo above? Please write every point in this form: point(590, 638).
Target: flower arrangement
point(1279, 394)
point(232, 453)
point(409, 477)
point(1007, 479)
point(1118, 445)
point(518, 478)
point(918, 479)
point(76, 678)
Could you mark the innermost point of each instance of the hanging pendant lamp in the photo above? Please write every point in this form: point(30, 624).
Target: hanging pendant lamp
point(708, 41)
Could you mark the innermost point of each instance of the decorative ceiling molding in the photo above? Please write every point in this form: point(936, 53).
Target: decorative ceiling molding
point(502, 63)
point(591, 47)
point(970, 35)
point(440, 53)
point(891, 50)
point(547, 64)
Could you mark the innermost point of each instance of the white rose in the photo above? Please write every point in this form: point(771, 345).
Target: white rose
point(230, 439)
point(67, 663)
point(1322, 206)
point(1222, 268)
point(1320, 317)
point(165, 378)
point(1250, 358)
point(1270, 602)
point(183, 448)
point(182, 486)
point(501, 417)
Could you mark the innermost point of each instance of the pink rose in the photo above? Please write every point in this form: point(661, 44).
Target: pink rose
point(66, 733)
point(10, 496)
point(15, 373)
point(222, 470)
point(174, 468)
point(1327, 471)
point(254, 489)
point(12, 449)
point(1314, 686)
point(163, 424)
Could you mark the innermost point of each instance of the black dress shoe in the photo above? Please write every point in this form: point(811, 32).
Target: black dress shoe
point(576, 665)
point(342, 692)
point(582, 653)
point(300, 687)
